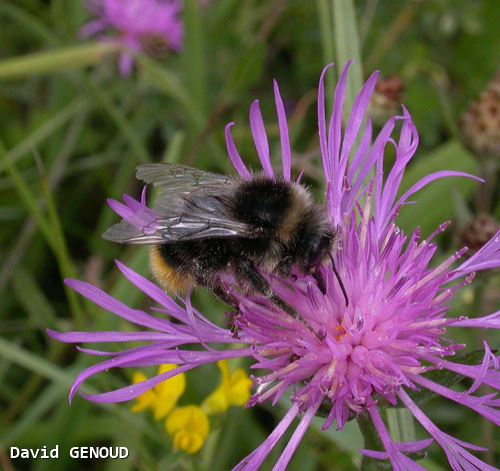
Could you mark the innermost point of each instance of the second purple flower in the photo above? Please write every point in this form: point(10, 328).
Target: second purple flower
point(138, 24)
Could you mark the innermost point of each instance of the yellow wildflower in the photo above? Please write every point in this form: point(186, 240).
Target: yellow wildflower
point(189, 427)
point(163, 397)
point(146, 400)
point(233, 390)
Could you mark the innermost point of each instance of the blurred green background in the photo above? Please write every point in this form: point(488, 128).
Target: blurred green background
point(72, 130)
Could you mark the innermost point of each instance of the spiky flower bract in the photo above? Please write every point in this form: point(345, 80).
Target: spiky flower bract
point(140, 24)
point(349, 360)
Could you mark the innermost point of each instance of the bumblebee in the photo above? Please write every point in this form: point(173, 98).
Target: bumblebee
point(211, 224)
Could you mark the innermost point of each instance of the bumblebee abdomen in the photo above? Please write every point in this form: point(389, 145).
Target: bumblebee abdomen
point(180, 266)
point(171, 276)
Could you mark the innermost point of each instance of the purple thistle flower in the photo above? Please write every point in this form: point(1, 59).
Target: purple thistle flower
point(352, 359)
point(137, 22)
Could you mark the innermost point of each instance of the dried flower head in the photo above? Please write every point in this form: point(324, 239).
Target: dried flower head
point(479, 231)
point(386, 98)
point(347, 360)
point(152, 26)
point(480, 124)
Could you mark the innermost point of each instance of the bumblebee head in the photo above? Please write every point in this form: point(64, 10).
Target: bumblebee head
point(317, 248)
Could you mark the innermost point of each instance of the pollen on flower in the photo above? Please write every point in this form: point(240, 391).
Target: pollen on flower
point(341, 332)
point(189, 428)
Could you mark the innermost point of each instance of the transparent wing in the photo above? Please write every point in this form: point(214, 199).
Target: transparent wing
point(193, 205)
point(126, 233)
point(179, 179)
point(202, 217)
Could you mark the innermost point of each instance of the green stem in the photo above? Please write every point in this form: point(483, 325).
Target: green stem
point(372, 442)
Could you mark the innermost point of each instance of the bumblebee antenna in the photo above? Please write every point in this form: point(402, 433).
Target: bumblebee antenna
point(342, 287)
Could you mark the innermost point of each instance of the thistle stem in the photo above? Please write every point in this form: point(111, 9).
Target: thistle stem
point(371, 442)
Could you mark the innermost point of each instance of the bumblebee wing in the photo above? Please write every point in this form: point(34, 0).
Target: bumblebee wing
point(126, 233)
point(203, 213)
point(179, 179)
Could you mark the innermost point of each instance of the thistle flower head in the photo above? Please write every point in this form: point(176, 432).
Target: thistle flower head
point(140, 24)
point(343, 359)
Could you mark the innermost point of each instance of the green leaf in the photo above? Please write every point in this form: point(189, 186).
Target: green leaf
point(349, 439)
point(434, 203)
point(446, 378)
point(55, 61)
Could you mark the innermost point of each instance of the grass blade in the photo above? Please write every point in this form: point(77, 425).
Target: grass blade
point(347, 47)
point(59, 119)
point(50, 230)
point(33, 300)
point(55, 61)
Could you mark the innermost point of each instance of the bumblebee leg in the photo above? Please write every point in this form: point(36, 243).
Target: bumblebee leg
point(318, 276)
point(226, 298)
point(247, 270)
point(222, 294)
point(209, 281)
